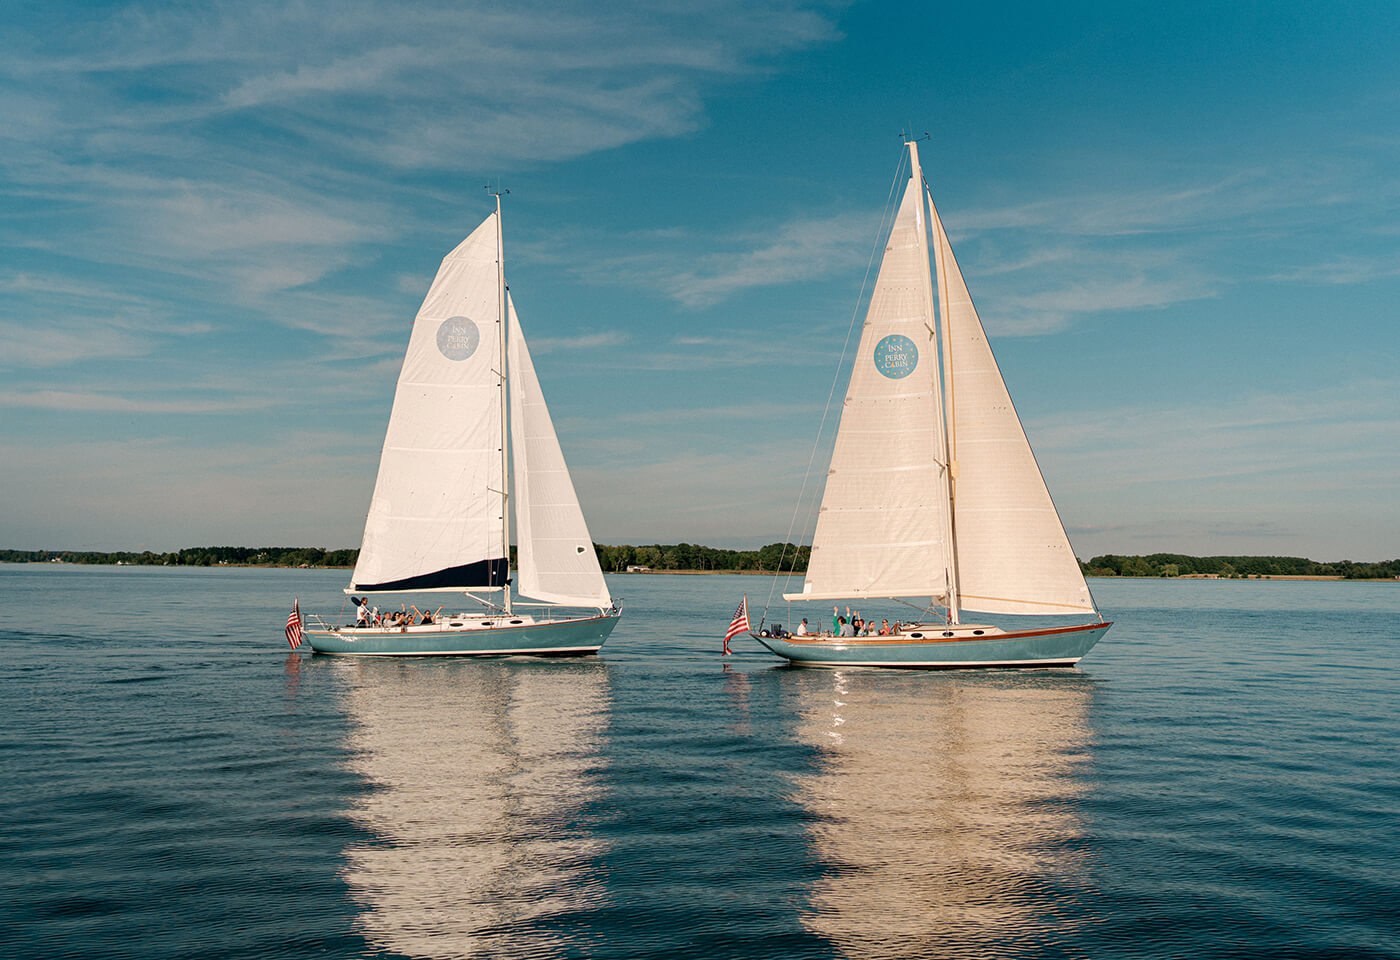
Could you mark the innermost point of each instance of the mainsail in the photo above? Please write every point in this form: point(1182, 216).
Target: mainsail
point(883, 526)
point(435, 520)
point(557, 562)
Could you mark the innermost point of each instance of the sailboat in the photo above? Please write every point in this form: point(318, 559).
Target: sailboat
point(933, 491)
point(469, 424)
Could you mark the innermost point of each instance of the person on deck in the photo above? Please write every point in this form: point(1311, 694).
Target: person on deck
point(846, 630)
point(801, 630)
point(361, 611)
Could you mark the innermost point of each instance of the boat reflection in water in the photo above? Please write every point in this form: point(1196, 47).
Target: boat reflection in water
point(944, 811)
point(481, 779)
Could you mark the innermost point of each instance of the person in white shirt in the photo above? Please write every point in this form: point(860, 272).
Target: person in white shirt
point(801, 630)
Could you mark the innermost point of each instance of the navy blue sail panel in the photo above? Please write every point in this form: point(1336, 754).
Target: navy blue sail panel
point(468, 576)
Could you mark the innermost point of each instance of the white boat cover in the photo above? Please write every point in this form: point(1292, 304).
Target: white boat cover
point(555, 555)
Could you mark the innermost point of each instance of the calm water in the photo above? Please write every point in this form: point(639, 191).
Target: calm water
point(1219, 778)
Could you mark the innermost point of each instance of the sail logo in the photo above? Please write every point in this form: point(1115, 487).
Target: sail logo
point(458, 338)
point(896, 356)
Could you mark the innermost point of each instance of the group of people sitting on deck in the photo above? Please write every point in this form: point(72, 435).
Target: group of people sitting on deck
point(851, 625)
point(367, 616)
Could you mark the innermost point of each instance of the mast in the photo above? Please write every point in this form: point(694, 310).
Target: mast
point(927, 291)
point(505, 454)
point(950, 438)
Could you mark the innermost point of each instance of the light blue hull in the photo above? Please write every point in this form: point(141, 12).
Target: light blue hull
point(1048, 647)
point(470, 637)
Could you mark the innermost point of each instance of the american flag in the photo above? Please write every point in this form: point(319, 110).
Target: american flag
point(740, 623)
point(294, 624)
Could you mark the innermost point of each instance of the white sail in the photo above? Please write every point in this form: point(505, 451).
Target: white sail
point(883, 526)
point(556, 560)
point(1012, 552)
point(435, 520)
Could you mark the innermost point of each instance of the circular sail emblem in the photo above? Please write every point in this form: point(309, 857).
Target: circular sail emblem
point(896, 356)
point(457, 338)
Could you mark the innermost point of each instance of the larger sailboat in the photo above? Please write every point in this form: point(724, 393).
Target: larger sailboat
point(933, 491)
point(468, 419)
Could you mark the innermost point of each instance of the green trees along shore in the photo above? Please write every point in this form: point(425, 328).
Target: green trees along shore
point(613, 559)
point(194, 557)
point(690, 557)
point(1178, 565)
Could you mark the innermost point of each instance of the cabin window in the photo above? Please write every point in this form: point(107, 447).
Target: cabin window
point(947, 633)
point(514, 623)
point(978, 632)
point(917, 636)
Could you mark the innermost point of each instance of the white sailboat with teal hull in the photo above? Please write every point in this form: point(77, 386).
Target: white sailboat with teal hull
point(470, 442)
point(933, 492)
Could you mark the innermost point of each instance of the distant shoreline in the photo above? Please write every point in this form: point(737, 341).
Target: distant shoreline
point(709, 573)
point(697, 560)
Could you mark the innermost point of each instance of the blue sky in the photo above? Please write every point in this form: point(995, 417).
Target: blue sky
point(1179, 223)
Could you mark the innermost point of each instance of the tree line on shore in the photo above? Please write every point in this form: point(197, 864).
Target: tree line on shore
point(194, 557)
point(775, 557)
point(1178, 565)
point(614, 559)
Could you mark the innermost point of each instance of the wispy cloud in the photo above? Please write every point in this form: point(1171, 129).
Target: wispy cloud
point(22, 346)
point(1337, 271)
point(700, 270)
point(798, 250)
point(89, 402)
point(719, 417)
point(1149, 246)
point(584, 341)
point(193, 136)
point(1303, 465)
point(1041, 311)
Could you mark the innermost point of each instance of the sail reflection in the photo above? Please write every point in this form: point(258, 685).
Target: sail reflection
point(943, 809)
point(481, 779)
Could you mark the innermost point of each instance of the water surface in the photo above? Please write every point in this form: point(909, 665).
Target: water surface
point(1216, 779)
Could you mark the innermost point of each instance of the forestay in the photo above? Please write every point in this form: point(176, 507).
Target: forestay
point(435, 520)
point(557, 562)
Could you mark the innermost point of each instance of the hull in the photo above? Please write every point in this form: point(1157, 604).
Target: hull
point(1048, 647)
point(474, 637)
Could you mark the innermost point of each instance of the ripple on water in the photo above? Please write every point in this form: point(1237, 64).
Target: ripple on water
point(1214, 781)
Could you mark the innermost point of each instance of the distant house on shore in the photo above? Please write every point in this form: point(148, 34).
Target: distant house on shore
point(635, 568)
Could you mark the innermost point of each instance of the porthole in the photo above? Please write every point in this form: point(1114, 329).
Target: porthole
point(947, 633)
point(978, 632)
point(516, 623)
point(917, 636)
